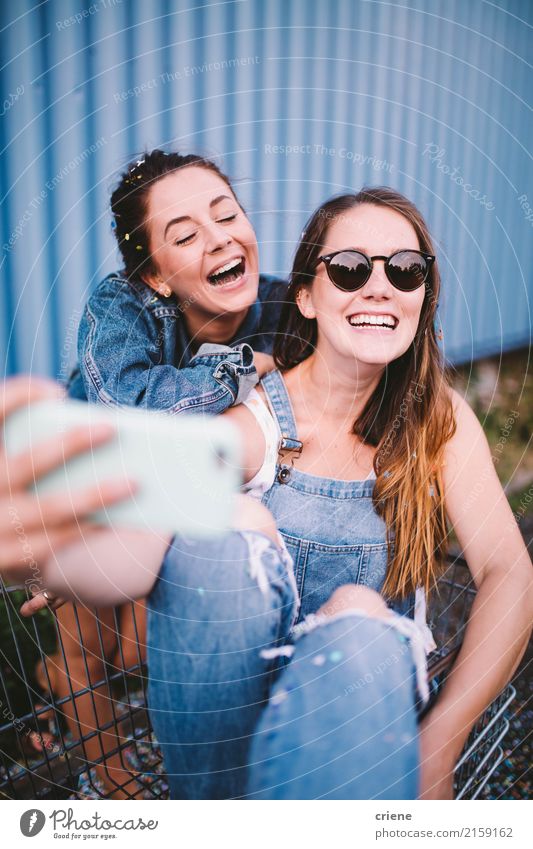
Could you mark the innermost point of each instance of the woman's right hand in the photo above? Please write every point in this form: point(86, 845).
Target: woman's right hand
point(33, 526)
point(263, 363)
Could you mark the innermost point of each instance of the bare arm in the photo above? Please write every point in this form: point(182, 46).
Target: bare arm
point(251, 437)
point(107, 566)
point(110, 566)
point(502, 614)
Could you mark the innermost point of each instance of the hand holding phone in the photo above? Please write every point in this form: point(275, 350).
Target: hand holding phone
point(185, 470)
point(30, 527)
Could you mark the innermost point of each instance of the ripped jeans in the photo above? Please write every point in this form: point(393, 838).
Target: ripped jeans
point(241, 712)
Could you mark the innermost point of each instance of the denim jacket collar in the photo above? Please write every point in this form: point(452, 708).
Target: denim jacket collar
point(169, 307)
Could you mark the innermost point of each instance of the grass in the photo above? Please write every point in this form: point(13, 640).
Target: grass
point(500, 391)
point(19, 640)
point(19, 653)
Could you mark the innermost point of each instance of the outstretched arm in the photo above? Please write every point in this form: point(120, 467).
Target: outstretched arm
point(502, 614)
point(109, 566)
point(48, 541)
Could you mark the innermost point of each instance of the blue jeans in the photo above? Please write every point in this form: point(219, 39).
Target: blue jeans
point(234, 720)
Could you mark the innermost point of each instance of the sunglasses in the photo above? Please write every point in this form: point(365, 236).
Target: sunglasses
point(349, 270)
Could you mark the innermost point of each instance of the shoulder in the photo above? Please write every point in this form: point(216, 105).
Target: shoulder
point(272, 289)
point(466, 422)
point(118, 293)
point(467, 454)
point(116, 308)
point(476, 504)
point(272, 295)
point(118, 288)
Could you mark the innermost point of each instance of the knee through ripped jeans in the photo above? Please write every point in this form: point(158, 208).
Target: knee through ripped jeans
point(245, 707)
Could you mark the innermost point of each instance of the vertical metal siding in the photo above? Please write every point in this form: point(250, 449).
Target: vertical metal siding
point(372, 81)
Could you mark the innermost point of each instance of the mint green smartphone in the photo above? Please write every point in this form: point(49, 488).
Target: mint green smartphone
point(186, 469)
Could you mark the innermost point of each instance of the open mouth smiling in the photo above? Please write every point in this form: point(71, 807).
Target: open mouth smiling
point(229, 272)
point(373, 321)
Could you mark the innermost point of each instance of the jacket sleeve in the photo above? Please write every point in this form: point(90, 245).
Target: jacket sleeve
point(119, 348)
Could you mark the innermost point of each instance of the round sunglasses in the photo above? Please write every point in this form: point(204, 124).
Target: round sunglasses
point(349, 269)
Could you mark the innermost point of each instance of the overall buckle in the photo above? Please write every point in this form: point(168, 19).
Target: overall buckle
point(288, 449)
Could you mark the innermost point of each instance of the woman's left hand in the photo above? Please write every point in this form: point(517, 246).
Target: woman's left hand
point(40, 600)
point(437, 763)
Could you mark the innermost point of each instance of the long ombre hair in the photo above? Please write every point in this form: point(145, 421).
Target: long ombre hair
point(408, 418)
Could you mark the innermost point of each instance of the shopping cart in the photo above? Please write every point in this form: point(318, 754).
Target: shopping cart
point(61, 771)
point(40, 756)
point(449, 610)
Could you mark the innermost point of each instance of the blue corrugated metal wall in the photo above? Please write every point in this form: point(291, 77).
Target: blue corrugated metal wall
point(414, 96)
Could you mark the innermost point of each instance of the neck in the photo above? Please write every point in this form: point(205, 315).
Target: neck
point(337, 392)
point(219, 331)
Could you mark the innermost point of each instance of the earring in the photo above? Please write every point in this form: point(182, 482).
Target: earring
point(162, 289)
point(300, 304)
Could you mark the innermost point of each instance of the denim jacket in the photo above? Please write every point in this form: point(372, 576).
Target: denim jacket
point(134, 350)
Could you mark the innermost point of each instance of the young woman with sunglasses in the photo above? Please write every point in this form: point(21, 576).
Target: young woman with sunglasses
point(376, 455)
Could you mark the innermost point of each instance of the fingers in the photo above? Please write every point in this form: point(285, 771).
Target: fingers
point(23, 469)
point(39, 602)
point(31, 607)
point(31, 528)
point(18, 391)
point(21, 554)
point(28, 512)
point(65, 508)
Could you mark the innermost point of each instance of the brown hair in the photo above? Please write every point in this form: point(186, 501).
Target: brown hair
point(129, 203)
point(409, 417)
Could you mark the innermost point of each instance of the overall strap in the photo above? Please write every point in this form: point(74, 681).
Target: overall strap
point(290, 447)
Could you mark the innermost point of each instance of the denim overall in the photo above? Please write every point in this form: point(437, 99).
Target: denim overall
point(330, 527)
point(336, 719)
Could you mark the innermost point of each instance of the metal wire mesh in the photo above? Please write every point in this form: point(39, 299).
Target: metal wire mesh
point(73, 694)
point(449, 611)
point(73, 717)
